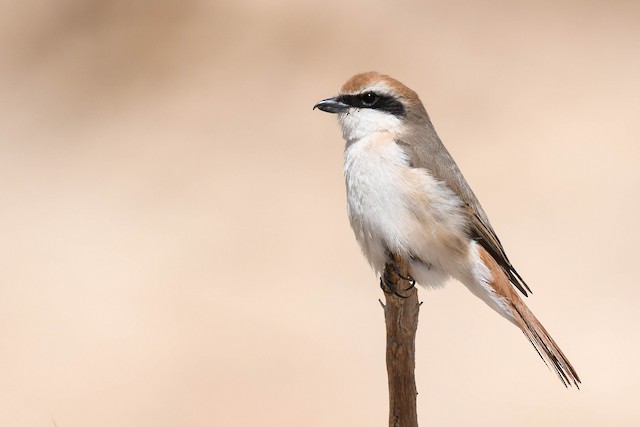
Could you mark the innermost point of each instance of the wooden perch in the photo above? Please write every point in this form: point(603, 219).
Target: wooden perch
point(401, 318)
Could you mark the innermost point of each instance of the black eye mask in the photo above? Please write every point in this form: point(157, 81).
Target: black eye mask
point(374, 101)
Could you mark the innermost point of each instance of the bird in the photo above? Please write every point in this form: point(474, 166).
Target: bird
point(407, 198)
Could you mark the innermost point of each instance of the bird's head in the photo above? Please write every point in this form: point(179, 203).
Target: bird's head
point(372, 102)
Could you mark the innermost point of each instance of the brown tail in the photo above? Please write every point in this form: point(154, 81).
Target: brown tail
point(532, 328)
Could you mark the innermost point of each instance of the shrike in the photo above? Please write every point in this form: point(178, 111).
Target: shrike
point(406, 197)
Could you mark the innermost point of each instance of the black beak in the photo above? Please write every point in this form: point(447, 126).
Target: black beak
point(332, 105)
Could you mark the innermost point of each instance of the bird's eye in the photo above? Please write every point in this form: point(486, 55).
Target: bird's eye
point(369, 98)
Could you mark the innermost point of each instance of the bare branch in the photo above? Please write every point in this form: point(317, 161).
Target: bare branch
point(401, 318)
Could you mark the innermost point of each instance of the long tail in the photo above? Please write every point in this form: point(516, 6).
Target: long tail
point(530, 325)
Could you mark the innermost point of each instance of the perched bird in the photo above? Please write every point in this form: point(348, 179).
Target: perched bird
point(407, 198)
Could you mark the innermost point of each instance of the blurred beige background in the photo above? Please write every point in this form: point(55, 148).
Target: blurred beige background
point(175, 249)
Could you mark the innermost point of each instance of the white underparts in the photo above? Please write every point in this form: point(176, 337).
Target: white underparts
point(398, 208)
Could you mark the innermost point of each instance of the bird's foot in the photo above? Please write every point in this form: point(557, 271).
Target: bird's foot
point(388, 286)
point(409, 279)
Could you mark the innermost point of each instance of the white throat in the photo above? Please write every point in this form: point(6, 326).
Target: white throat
point(360, 122)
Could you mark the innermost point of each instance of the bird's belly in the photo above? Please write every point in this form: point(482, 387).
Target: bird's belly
point(396, 208)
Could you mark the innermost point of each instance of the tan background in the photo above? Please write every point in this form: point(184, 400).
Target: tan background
point(175, 250)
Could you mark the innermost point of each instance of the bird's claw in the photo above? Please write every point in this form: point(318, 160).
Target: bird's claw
point(407, 278)
point(388, 287)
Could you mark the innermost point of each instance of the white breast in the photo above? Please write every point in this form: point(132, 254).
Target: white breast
point(395, 207)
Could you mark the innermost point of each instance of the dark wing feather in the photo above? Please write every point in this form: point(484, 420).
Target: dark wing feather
point(429, 153)
point(483, 233)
